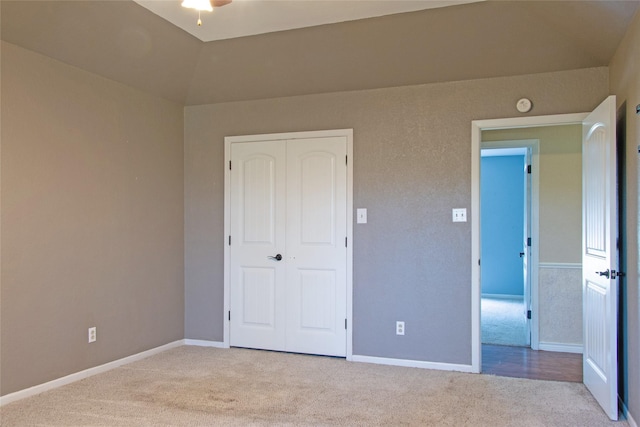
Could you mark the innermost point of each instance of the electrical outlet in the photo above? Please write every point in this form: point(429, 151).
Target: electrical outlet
point(92, 334)
point(399, 328)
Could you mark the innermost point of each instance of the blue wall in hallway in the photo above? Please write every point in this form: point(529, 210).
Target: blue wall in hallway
point(502, 215)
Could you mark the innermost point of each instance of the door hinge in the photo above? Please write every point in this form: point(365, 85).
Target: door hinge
point(478, 262)
point(346, 160)
point(529, 241)
point(528, 314)
point(229, 315)
point(345, 242)
point(229, 164)
point(345, 323)
point(229, 240)
point(528, 168)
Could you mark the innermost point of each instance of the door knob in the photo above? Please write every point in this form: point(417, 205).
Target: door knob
point(279, 258)
point(603, 273)
point(616, 274)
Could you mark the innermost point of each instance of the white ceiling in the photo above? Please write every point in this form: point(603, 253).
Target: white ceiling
point(250, 17)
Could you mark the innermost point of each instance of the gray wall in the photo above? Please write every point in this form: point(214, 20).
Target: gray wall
point(625, 83)
point(412, 165)
point(92, 220)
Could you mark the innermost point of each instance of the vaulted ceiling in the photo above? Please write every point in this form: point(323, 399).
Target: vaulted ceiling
point(251, 17)
point(124, 41)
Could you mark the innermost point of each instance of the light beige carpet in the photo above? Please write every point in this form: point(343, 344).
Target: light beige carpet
point(194, 386)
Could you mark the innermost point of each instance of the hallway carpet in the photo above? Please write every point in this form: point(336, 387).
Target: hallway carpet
point(503, 322)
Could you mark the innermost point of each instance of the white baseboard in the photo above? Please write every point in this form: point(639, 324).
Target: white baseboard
point(204, 343)
point(50, 385)
point(626, 414)
point(559, 347)
point(504, 296)
point(413, 363)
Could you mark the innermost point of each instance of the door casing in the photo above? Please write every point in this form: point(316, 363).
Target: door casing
point(348, 134)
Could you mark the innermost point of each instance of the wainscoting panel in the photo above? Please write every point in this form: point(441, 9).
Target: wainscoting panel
point(560, 299)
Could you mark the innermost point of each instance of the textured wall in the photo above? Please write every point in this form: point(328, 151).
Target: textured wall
point(560, 297)
point(625, 84)
point(92, 220)
point(412, 165)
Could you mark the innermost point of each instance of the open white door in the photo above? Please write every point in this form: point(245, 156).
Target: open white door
point(599, 256)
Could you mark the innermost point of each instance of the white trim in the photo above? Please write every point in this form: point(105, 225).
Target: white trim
point(349, 133)
point(533, 121)
point(626, 413)
point(205, 343)
point(503, 152)
point(561, 348)
point(476, 298)
point(477, 126)
point(50, 385)
point(504, 296)
point(227, 250)
point(561, 265)
point(228, 140)
point(413, 363)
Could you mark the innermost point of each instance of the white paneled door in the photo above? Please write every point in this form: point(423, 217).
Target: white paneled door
point(600, 257)
point(288, 256)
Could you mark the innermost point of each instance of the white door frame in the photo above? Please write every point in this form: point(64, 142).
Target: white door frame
point(348, 133)
point(477, 126)
point(531, 150)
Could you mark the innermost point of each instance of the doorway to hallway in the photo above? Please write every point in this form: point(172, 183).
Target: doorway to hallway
point(598, 233)
point(552, 260)
point(505, 193)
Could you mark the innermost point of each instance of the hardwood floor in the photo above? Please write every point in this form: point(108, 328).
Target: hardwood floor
point(522, 362)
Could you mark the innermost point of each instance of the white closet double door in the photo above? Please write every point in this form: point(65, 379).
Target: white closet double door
point(288, 258)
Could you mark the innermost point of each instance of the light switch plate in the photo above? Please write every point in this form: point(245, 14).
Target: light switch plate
point(361, 216)
point(460, 215)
